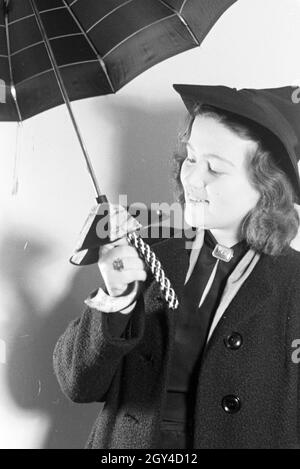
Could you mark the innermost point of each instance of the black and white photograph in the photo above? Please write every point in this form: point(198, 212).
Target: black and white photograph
point(149, 227)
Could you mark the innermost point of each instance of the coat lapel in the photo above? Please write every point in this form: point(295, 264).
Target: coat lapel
point(174, 257)
point(252, 294)
point(255, 291)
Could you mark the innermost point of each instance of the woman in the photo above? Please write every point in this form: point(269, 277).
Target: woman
point(218, 371)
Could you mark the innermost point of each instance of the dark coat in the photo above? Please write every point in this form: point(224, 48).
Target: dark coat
point(129, 374)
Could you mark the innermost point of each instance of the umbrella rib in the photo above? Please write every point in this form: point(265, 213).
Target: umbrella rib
point(182, 19)
point(42, 42)
point(77, 63)
point(19, 83)
point(137, 32)
point(108, 14)
point(65, 35)
point(27, 47)
point(182, 6)
point(21, 19)
point(89, 41)
point(12, 85)
point(51, 9)
point(32, 15)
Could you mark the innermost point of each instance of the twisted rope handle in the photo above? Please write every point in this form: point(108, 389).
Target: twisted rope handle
point(154, 264)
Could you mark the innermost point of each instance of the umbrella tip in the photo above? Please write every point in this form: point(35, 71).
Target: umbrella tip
point(15, 188)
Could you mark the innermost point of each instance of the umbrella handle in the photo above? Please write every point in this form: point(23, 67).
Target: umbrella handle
point(91, 256)
point(87, 252)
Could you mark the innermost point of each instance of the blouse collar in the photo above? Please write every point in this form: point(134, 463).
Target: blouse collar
point(205, 237)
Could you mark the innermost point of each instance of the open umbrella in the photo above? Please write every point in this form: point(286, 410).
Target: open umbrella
point(56, 51)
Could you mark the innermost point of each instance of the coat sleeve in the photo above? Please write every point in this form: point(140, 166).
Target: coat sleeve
point(87, 356)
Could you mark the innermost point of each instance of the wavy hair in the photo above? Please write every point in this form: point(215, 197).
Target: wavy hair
point(273, 223)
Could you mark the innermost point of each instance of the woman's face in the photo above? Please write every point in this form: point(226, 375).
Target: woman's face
point(215, 170)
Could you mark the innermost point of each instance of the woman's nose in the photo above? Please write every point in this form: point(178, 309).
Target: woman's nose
point(199, 175)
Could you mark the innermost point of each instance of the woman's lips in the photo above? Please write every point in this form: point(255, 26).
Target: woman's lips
point(195, 201)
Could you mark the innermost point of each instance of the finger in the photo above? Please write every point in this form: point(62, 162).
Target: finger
point(107, 247)
point(121, 287)
point(125, 251)
point(133, 288)
point(129, 276)
point(120, 242)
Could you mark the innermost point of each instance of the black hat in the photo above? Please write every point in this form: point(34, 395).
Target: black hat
point(276, 109)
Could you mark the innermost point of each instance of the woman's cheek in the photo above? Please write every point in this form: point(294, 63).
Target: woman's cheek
point(224, 189)
point(216, 192)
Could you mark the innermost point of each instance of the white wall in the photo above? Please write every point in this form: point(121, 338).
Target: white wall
point(130, 137)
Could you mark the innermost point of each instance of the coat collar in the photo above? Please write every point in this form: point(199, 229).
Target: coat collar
point(256, 290)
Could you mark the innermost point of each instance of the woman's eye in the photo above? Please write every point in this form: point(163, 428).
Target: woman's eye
point(213, 171)
point(189, 159)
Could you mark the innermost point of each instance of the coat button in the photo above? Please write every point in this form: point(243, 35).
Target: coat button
point(233, 341)
point(231, 404)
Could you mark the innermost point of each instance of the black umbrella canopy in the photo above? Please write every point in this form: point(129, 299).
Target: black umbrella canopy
point(98, 45)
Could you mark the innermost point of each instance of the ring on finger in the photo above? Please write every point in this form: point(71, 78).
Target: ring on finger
point(118, 264)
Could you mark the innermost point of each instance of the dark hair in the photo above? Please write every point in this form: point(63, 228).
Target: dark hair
point(273, 223)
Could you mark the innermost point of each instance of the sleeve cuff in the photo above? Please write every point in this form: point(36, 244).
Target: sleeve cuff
point(103, 302)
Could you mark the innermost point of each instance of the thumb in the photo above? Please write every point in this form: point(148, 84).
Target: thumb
point(107, 247)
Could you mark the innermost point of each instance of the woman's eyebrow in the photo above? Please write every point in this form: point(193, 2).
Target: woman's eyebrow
point(212, 155)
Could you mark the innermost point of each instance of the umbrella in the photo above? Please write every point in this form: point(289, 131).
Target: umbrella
point(57, 51)
point(98, 45)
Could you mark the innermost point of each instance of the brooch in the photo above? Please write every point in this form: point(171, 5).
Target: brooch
point(223, 253)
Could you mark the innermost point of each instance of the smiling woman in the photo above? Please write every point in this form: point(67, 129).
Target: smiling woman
point(217, 372)
point(234, 165)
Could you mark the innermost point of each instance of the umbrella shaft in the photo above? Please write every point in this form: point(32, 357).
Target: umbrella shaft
point(12, 84)
point(65, 96)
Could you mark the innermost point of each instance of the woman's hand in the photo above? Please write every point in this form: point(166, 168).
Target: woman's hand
point(120, 253)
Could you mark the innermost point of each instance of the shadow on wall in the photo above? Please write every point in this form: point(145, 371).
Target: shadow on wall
point(146, 144)
point(30, 376)
point(143, 147)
